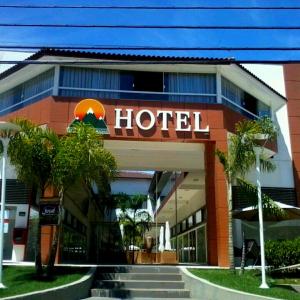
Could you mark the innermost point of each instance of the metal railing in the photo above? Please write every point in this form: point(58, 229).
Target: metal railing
point(239, 108)
point(25, 100)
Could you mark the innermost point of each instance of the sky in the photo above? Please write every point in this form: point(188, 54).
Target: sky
point(29, 36)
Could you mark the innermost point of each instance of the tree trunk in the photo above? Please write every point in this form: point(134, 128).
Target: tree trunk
point(56, 237)
point(243, 259)
point(38, 254)
point(133, 237)
point(230, 234)
point(132, 248)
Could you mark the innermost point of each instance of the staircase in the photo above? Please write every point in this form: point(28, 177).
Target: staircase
point(138, 282)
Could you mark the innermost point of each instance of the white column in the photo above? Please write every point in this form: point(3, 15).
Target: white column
point(219, 85)
point(264, 284)
point(56, 81)
point(3, 191)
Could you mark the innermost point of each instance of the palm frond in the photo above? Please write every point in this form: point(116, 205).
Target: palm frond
point(267, 165)
point(223, 158)
point(269, 205)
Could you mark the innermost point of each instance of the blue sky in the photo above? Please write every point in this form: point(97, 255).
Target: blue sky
point(159, 37)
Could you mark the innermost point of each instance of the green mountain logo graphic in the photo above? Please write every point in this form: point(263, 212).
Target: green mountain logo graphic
point(91, 119)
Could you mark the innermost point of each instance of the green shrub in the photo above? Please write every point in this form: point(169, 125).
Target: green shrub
point(283, 253)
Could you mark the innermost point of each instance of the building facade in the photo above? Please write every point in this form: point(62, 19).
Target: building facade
point(161, 114)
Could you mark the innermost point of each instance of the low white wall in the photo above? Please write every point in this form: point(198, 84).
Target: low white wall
point(203, 289)
point(76, 290)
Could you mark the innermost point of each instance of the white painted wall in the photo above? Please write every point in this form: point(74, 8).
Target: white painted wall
point(283, 175)
point(18, 253)
point(271, 74)
point(21, 221)
point(10, 170)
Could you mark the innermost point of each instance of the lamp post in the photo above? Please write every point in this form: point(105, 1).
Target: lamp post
point(264, 284)
point(7, 130)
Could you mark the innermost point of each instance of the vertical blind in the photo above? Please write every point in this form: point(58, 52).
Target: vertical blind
point(237, 95)
point(191, 83)
point(33, 89)
point(88, 78)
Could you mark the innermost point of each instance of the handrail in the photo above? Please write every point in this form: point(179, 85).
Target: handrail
point(240, 107)
point(135, 92)
point(26, 100)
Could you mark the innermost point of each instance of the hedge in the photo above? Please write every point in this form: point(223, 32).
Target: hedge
point(282, 253)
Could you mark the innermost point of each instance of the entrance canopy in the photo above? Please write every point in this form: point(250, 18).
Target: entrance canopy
point(184, 158)
point(158, 156)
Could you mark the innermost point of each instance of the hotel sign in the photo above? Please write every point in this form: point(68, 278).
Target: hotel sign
point(91, 111)
point(182, 119)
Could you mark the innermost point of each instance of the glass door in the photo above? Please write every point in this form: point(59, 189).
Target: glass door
point(192, 246)
point(201, 245)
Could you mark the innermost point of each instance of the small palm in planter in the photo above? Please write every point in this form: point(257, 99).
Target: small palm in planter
point(136, 221)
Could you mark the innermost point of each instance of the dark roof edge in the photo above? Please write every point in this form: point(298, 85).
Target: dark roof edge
point(261, 81)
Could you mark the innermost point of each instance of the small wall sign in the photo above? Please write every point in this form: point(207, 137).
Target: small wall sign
point(49, 213)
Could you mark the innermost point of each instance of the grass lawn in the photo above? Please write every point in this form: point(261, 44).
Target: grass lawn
point(20, 280)
point(248, 282)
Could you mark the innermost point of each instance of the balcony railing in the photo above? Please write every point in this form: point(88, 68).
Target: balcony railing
point(131, 95)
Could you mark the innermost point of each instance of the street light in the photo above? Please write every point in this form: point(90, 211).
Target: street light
point(7, 130)
point(258, 151)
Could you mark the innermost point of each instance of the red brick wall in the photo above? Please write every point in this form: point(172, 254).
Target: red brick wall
point(292, 82)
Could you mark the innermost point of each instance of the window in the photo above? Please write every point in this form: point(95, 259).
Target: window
point(142, 81)
point(183, 225)
point(84, 79)
point(198, 216)
point(32, 90)
point(190, 221)
point(243, 99)
point(188, 83)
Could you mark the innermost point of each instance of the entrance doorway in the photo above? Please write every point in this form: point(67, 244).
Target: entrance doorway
point(176, 188)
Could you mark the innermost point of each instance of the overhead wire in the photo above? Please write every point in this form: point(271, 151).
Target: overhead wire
point(141, 26)
point(127, 47)
point(149, 7)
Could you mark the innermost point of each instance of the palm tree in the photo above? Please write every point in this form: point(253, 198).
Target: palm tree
point(42, 159)
point(82, 159)
point(240, 158)
point(31, 152)
point(134, 219)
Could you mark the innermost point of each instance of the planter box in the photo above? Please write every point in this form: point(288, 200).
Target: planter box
point(167, 257)
point(143, 257)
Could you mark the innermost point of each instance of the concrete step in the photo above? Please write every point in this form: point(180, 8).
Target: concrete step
point(142, 293)
point(146, 284)
point(135, 298)
point(138, 269)
point(139, 276)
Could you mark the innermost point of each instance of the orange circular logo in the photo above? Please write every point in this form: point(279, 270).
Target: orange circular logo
point(89, 106)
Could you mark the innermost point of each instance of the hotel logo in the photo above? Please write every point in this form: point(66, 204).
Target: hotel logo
point(90, 111)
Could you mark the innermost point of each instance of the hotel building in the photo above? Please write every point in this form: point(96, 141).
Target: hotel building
point(165, 116)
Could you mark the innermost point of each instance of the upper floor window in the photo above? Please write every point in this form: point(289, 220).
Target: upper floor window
point(241, 101)
point(179, 87)
point(142, 81)
point(189, 87)
point(28, 92)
